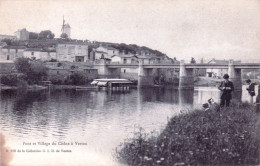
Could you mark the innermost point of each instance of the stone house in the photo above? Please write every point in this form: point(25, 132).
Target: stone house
point(10, 53)
point(39, 53)
point(61, 70)
point(72, 52)
point(109, 50)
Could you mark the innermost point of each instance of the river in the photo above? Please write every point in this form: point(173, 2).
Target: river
point(100, 120)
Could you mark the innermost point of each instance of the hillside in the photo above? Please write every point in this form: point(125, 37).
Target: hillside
point(127, 48)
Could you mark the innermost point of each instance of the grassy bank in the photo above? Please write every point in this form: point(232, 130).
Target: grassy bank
point(227, 137)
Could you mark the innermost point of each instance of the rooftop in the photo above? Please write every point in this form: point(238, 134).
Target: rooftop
point(108, 47)
point(221, 61)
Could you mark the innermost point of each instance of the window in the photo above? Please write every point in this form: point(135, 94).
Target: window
point(58, 72)
point(32, 53)
point(102, 56)
point(125, 60)
point(8, 57)
point(124, 70)
point(16, 50)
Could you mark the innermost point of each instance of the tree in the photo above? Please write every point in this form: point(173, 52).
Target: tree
point(47, 34)
point(33, 35)
point(77, 78)
point(22, 65)
point(192, 60)
point(37, 73)
point(64, 36)
point(7, 41)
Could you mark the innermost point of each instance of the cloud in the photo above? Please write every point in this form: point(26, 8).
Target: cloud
point(179, 28)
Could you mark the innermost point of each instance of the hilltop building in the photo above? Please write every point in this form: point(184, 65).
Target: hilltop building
point(66, 28)
point(22, 34)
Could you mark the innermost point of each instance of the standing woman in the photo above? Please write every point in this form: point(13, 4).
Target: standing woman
point(226, 88)
point(251, 90)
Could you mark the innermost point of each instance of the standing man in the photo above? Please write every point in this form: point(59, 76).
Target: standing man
point(251, 90)
point(226, 88)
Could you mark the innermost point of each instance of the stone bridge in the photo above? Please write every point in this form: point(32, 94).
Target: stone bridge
point(186, 77)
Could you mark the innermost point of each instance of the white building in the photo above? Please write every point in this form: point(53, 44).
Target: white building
point(10, 53)
point(38, 53)
point(109, 50)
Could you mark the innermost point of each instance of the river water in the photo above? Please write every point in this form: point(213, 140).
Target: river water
point(98, 119)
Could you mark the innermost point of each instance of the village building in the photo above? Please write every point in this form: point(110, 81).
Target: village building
point(218, 73)
point(100, 55)
point(7, 37)
point(109, 50)
point(61, 70)
point(72, 52)
point(10, 53)
point(39, 53)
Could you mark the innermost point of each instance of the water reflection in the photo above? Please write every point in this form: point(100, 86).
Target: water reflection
point(103, 118)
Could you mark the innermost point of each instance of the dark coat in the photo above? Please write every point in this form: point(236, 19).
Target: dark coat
point(226, 93)
point(251, 89)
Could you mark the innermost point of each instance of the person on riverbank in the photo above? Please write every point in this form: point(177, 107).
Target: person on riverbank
point(257, 102)
point(251, 90)
point(226, 88)
point(213, 105)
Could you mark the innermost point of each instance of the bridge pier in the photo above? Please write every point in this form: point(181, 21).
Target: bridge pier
point(144, 76)
point(235, 75)
point(102, 68)
point(186, 80)
point(104, 71)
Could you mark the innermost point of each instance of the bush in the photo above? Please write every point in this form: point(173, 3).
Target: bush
point(10, 80)
point(76, 78)
point(34, 71)
point(56, 81)
point(14, 80)
point(198, 138)
point(37, 72)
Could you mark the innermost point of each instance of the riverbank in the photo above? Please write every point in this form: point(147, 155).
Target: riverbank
point(39, 87)
point(228, 137)
point(28, 87)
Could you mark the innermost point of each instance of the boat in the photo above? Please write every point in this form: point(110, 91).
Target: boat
point(112, 83)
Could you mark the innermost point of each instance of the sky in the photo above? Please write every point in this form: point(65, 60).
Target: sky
point(220, 29)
